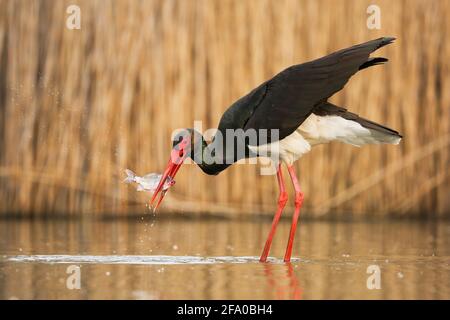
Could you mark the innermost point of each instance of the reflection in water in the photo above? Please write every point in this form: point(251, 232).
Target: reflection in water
point(291, 290)
point(210, 259)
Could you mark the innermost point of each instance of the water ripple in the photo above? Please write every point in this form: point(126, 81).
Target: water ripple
point(138, 259)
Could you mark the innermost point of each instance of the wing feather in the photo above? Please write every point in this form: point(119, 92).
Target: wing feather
point(291, 96)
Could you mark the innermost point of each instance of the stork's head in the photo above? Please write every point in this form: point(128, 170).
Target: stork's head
point(185, 144)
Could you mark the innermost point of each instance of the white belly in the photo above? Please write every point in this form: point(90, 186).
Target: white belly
point(321, 129)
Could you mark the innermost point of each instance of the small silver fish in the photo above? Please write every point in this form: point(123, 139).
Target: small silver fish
point(149, 182)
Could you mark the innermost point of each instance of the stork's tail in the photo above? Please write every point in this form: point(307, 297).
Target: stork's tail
point(378, 133)
point(381, 133)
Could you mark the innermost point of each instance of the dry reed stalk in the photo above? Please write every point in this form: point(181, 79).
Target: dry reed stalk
point(80, 106)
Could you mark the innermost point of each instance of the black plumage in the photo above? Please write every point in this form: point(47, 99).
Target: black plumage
point(286, 100)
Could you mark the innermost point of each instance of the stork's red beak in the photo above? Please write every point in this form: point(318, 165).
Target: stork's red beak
point(177, 157)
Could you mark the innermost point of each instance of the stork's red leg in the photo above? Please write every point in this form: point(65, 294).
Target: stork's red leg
point(298, 205)
point(282, 199)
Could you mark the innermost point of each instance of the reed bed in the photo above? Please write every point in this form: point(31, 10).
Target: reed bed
point(80, 106)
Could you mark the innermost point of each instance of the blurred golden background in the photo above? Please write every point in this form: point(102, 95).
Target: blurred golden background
point(80, 106)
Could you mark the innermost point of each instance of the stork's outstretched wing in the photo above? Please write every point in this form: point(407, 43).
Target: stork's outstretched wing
point(286, 100)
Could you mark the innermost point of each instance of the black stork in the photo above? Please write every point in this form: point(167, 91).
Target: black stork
point(294, 103)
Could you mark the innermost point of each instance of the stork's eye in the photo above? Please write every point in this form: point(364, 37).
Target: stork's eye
point(181, 153)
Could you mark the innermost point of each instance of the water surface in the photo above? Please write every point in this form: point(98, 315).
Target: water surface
point(155, 258)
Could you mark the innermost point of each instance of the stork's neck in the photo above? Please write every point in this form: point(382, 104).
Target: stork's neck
point(210, 157)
